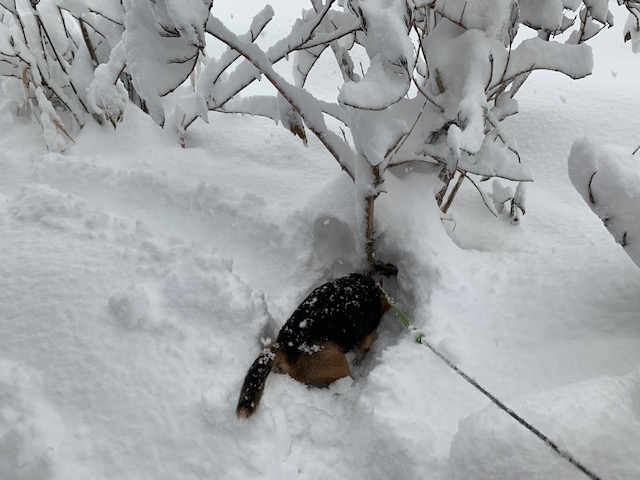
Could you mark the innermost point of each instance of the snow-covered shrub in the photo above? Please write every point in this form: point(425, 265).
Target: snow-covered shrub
point(159, 49)
point(88, 56)
point(609, 181)
point(52, 47)
point(442, 75)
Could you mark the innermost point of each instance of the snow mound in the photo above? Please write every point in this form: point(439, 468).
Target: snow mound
point(55, 209)
point(204, 287)
point(70, 214)
point(31, 432)
point(309, 432)
point(218, 405)
point(22, 446)
point(608, 178)
point(597, 420)
point(139, 194)
point(129, 306)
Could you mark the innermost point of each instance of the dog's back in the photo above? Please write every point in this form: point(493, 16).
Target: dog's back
point(343, 312)
point(334, 319)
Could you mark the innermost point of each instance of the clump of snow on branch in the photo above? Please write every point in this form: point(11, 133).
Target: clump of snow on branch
point(504, 195)
point(107, 96)
point(189, 18)
point(608, 179)
point(160, 47)
point(632, 27)
point(52, 128)
point(384, 34)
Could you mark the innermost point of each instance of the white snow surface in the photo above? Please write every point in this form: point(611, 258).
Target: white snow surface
point(137, 277)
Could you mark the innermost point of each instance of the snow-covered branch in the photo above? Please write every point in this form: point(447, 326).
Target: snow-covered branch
point(216, 92)
point(300, 100)
point(609, 181)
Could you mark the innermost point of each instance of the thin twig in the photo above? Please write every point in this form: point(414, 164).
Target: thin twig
point(279, 83)
point(232, 55)
point(62, 65)
point(482, 195)
point(399, 145)
point(67, 33)
point(100, 14)
point(591, 197)
point(453, 193)
point(328, 37)
point(274, 55)
point(88, 43)
point(426, 95)
point(499, 135)
point(430, 160)
point(452, 20)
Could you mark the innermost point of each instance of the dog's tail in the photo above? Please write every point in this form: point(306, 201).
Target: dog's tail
point(253, 385)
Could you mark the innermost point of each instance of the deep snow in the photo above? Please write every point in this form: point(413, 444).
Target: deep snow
point(137, 278)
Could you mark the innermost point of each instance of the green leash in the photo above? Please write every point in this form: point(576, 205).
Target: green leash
point(421, 338)
point(420, 335)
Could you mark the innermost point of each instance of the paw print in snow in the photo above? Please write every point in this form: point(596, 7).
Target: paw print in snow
point(129, 306)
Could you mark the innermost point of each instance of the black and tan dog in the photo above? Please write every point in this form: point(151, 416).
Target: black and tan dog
point(334, 319)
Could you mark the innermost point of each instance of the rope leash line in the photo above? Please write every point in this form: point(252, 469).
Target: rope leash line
point(422, 339)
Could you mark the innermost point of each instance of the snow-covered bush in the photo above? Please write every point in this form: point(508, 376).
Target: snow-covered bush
point(85, 57)
point(51, 48)
point(441, 76)
point(159, 49)
point(609, 181)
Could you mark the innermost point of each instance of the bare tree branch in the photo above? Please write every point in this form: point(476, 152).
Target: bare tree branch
point(301, 101)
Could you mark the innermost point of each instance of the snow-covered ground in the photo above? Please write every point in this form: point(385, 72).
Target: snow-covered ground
point(136, 279)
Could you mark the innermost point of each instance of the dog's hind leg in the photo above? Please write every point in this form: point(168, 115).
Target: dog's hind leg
point(364, 346)
point(323, 367)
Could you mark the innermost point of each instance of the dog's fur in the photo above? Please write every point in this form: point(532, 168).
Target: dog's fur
point(334, 319)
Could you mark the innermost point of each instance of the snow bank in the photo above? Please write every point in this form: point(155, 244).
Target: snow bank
point(116, 301)
point(597, 420)
point(608, 178)
point(23, 448)
point(34, 442)
point(55, 209)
